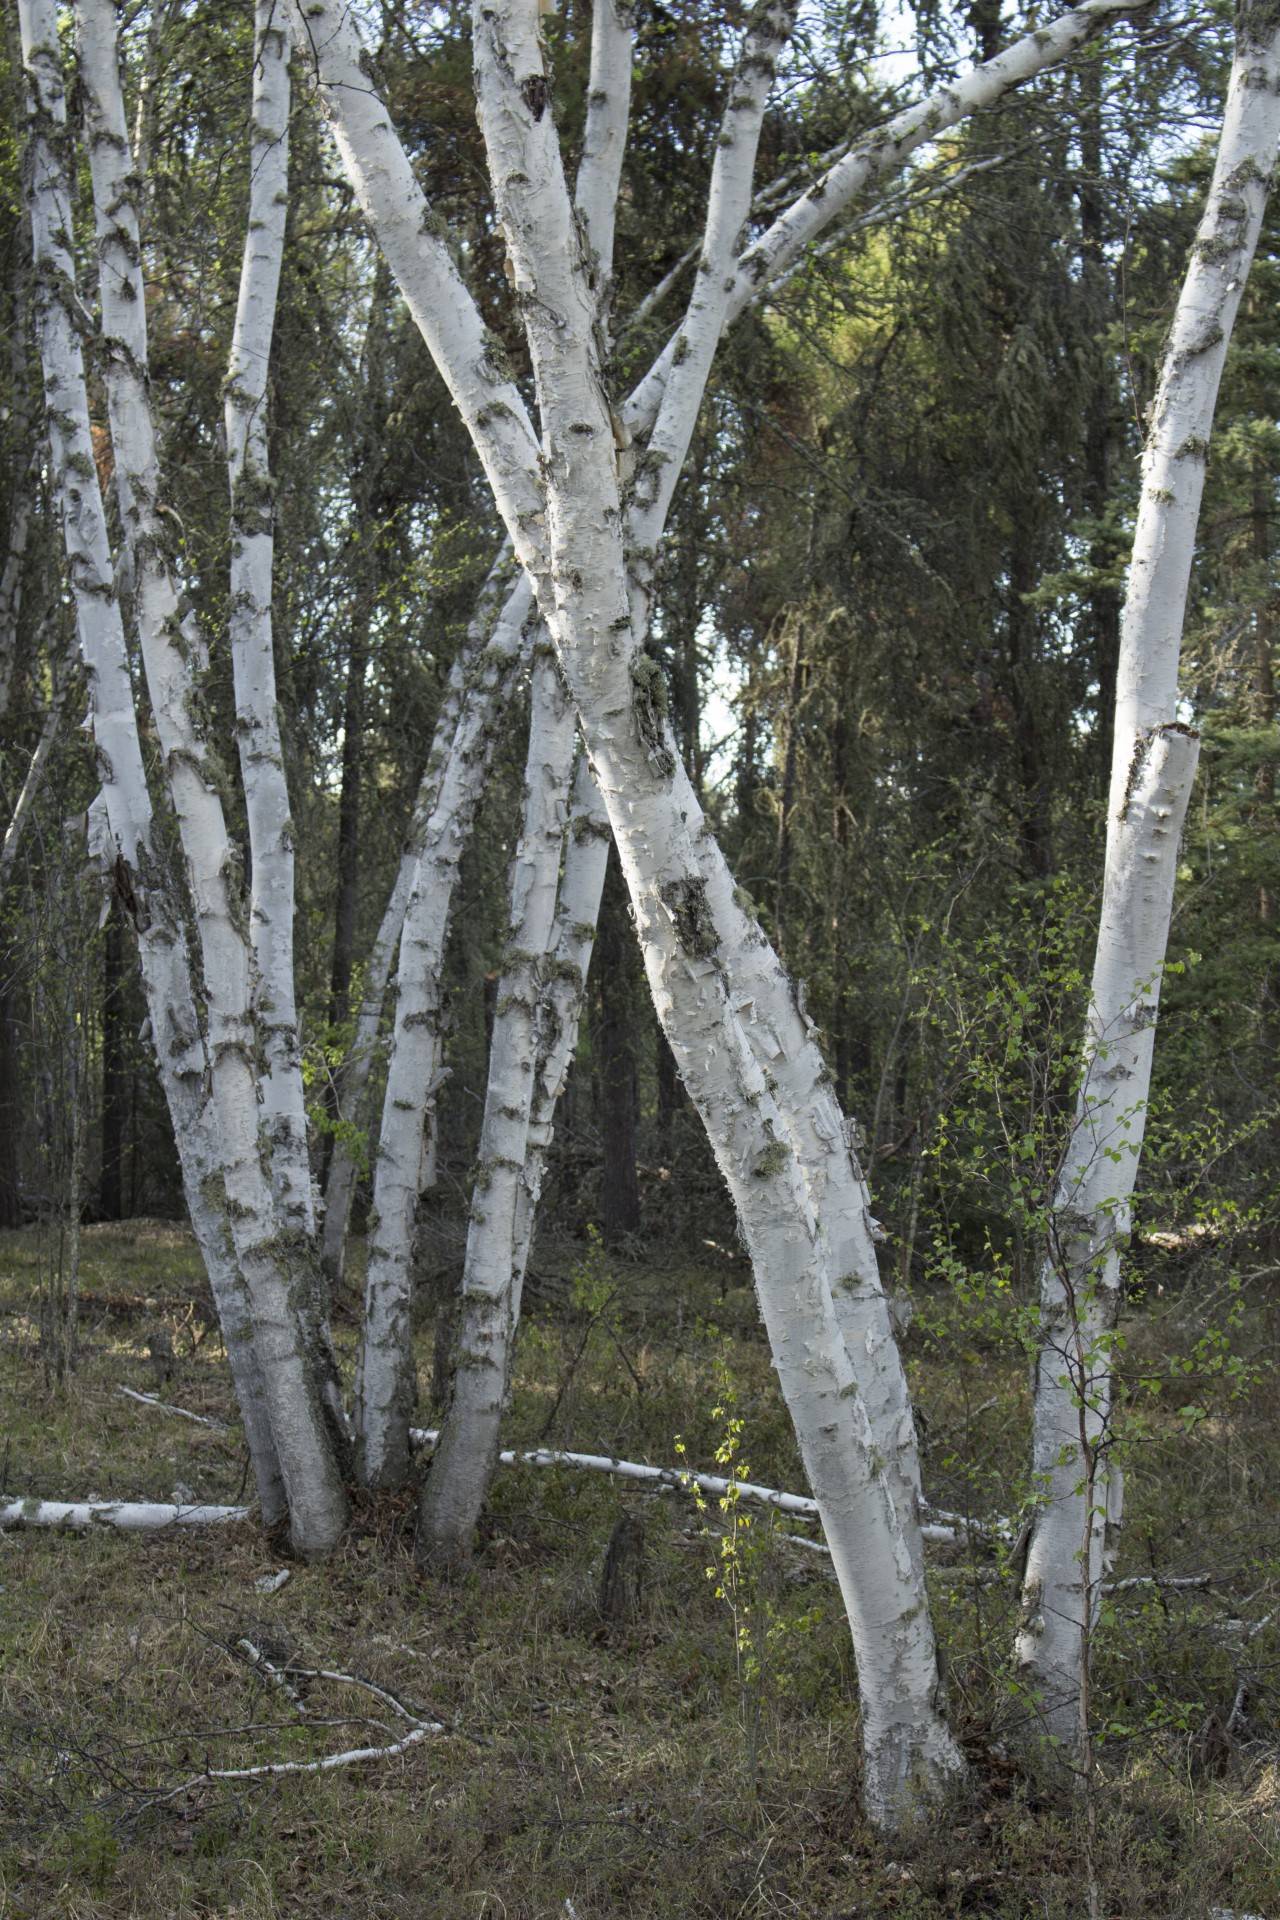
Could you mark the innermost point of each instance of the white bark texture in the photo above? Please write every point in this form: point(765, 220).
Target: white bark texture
point(271, 892)
point(480, 687)
point(586, 857)
point(385, 1376)
point(909, 1754)
point(540, 994)
point(464, 1458)
point(1152, 772)
point(317, 1502)
point(140, 880)
point(129, 1516)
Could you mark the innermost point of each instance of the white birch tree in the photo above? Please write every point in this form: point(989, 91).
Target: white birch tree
point(1154, 763)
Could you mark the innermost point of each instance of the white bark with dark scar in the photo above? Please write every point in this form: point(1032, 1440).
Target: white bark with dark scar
point(1152, 771)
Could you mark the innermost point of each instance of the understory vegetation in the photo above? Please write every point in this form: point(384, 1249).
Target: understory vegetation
point(699, 1754)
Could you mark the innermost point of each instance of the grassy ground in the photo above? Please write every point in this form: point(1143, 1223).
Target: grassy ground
point(651, 1769)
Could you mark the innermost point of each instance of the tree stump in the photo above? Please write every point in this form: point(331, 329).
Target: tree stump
point(161, 1355)
point(622, 1578)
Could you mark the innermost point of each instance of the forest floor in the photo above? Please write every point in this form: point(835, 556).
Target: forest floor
point(700, 1759)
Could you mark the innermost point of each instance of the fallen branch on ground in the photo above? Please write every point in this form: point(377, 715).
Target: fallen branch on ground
point(163, 1406)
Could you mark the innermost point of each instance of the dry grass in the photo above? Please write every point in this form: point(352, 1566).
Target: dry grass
point(609, 1770)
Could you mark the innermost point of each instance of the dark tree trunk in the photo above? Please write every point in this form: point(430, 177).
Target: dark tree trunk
point(115, 1073)
point(612, 970)
point(10, 1114)
point(786, 800)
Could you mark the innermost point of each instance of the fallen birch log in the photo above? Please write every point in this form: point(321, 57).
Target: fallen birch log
point(129, 1516)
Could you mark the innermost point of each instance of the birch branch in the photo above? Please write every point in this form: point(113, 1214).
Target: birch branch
point(163, 1406)
point(413, 242)
point(877, 156)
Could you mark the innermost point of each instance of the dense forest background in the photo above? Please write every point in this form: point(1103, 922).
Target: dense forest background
point(888, 621)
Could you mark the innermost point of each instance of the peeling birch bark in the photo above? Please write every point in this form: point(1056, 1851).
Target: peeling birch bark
point(481, 687)
point(271, 892)
point(385, 1374)
point(316, 1499)
point(464, 1458)
point(1152, 771)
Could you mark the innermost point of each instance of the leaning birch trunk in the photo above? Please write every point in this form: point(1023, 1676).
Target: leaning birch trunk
point(467, 1450)
point(291, 1369)
point(573, 937)
point(1152, 770)
point(266, 797)
point(385, 1379)
point(525, 1078)
point(909, 1754)
point(140, 877)
point(480, 678)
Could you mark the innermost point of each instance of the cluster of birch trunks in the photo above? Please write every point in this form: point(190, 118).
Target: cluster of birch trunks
point(583, 479)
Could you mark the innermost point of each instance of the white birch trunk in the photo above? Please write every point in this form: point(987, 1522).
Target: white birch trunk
point(1152, 771)
point(573, 938)
point(482, 687)
point(317, 1502)
point(531, 1047)
point(464, 1459)
point(129, 1516)
point(909, 1754)
point(385, 1381)
point(271, 892)
point(139, 875)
